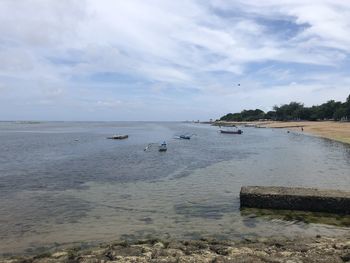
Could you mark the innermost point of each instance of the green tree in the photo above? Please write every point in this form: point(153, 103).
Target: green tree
point(340, 113)
point(327, 110)
point(296, 111)
point(271, 115)
point(291, 111)
point(347, 107)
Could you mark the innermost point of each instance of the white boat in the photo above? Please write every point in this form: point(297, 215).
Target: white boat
point(162, 147)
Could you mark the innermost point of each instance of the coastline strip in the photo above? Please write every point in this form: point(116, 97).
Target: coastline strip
point(333, 130)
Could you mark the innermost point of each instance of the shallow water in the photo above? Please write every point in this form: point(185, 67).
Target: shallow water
point(63, 182)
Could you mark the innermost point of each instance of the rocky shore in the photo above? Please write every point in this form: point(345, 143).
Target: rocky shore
point(318, 249)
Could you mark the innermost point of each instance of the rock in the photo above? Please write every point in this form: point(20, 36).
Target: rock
point(110, 255)
point(345, 257)
point(164, 260)
point(176, 245)
point(170, 252)
point(148, 255)
point(89, 260)
point(234, 251)
point(286, 254)
point(60, 254)
point(260, 254)
point(128, 251)
point(194, 259)
point(219, 249)
point(159, 245)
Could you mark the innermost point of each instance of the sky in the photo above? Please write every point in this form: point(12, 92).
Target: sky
point(160, 60)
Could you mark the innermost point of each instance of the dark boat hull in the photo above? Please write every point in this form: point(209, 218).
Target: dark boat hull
point(232, 132)
point(118, 137)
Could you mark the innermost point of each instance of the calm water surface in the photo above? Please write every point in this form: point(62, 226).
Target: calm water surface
point(63, 182)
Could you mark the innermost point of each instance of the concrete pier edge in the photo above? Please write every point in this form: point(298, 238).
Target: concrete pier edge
point(295, 198)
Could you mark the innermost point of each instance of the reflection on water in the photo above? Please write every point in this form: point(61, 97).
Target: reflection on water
point(64, 182)
point(206, 211)
point(297, 216)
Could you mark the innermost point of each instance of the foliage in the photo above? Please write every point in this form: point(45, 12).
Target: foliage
point(331, 110)
point(245, 115)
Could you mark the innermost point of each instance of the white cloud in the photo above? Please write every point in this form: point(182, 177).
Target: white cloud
point(109, 103)
point(201, 46)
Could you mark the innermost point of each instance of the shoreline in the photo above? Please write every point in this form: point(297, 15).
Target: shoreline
point(333, 130)
point(273, 249)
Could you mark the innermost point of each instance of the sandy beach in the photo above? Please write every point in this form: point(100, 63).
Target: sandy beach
point(338, 131)
point(334, 130)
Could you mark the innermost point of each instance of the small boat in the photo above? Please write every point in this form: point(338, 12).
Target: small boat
point(185, 136)
point(118, 137)
point(232, 131)
point(162, 147)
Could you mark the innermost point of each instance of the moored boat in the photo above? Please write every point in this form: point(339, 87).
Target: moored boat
point(232, 131)
point(118, 137)
point(163, 147)
point(185, 136)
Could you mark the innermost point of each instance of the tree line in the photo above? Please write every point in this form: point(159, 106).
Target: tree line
point(331, 110)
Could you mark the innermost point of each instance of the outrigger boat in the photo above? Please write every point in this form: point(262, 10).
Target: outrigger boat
point(118, 137)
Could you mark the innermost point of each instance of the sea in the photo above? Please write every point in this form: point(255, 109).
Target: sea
point(64, 184)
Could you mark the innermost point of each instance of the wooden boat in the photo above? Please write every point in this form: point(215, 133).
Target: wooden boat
point(118, 137)
point(162, 147)
point(232, 131)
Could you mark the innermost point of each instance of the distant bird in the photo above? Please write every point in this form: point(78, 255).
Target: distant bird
point(239, 84)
